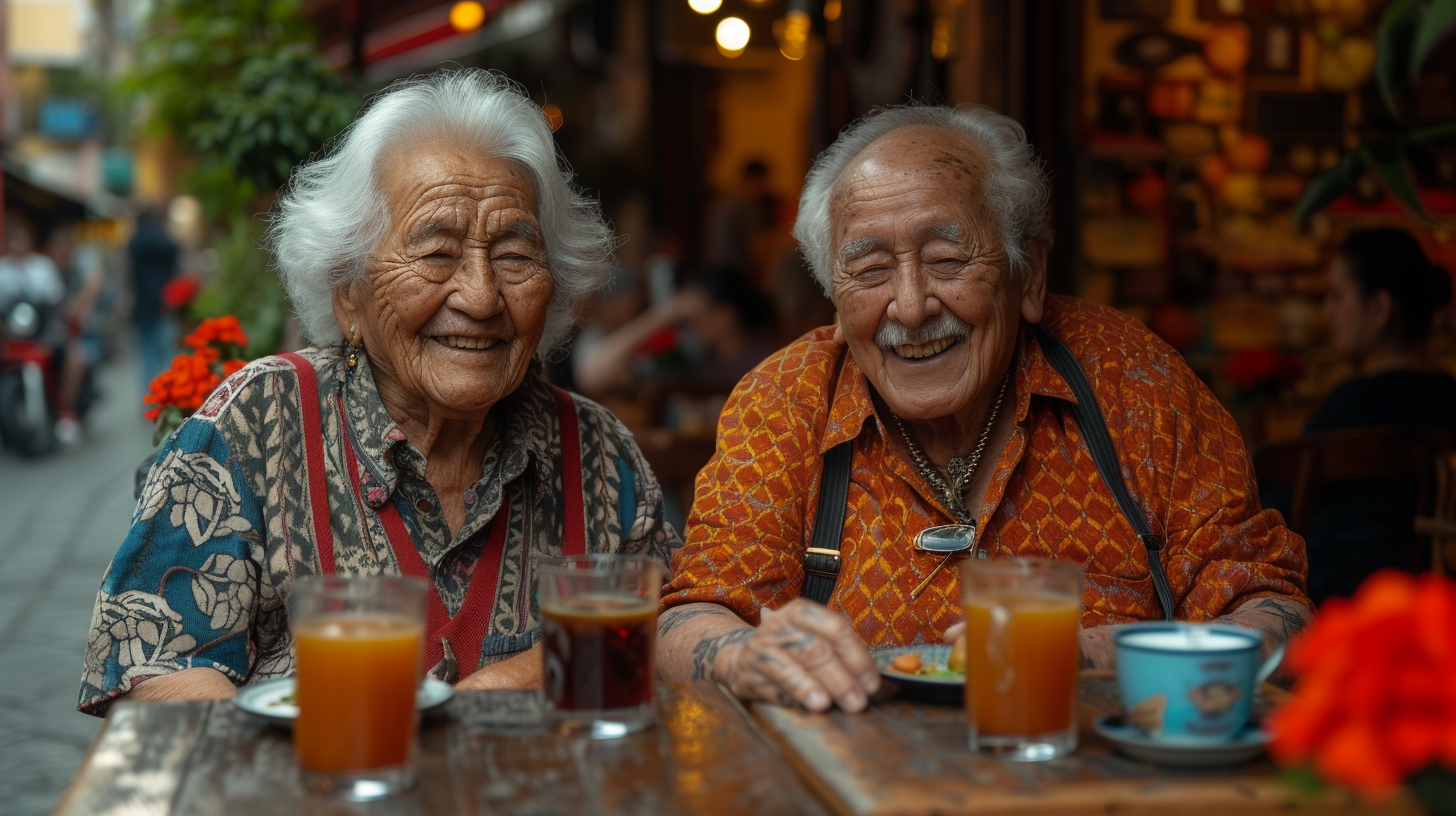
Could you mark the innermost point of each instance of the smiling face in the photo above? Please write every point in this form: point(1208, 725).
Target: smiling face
point(1356, 322)
point(454, 302)
point(926, 300)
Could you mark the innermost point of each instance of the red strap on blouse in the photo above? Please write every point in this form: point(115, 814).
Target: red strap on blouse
point(468, 628)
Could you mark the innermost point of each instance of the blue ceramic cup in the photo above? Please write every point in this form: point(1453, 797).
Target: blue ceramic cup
point(1189, 683)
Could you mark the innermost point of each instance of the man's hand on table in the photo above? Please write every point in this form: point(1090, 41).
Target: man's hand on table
point(801, 654)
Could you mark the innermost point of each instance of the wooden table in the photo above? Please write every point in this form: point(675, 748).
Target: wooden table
point(490, 753)
point(910, 758)
point(484, 753)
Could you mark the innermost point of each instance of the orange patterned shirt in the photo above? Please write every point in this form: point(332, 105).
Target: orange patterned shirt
point(1181, 454)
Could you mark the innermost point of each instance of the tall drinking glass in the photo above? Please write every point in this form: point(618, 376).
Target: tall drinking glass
point(357, 641)
point(1022, 655)
point(599, 632)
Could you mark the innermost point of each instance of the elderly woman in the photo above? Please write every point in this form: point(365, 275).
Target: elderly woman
point(927, 228)
point(433, 255)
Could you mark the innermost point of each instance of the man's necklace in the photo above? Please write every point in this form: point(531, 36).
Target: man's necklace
point(961, 470)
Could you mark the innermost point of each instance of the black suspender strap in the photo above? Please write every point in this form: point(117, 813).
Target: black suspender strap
point(1094, 429)
point(821, 560)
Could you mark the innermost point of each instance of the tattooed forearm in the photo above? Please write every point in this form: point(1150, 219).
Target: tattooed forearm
point(707, 650)
point(1292, 616)
point(677, 616)
point(1282, 618)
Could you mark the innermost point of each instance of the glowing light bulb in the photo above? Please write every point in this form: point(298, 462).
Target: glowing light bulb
point(467, 15)
point(793, 34)
point(732, 35)
point(554, 118)
point(705, 6)
point(831, 10)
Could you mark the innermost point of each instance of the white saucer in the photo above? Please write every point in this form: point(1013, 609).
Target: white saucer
point(273, 700)
point(1246, 745)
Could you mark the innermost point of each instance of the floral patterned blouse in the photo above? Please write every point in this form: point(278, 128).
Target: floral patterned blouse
point(224, 524)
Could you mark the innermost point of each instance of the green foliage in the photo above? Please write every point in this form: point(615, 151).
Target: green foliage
point(1409, 32)
point(240, 87)
point(246, 288)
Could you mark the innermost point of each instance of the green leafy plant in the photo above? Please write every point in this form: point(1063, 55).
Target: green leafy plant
point(239, 87)
point(1408, 34)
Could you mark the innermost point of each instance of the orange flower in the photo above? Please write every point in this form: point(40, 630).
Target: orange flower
point(217, 348)
point(1375, 701)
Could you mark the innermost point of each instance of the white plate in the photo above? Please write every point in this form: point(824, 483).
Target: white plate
point(273, 700)
point(941, 685)
point(1246, 745)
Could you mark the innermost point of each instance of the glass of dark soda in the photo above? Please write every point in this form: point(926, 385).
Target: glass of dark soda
point(599, 638)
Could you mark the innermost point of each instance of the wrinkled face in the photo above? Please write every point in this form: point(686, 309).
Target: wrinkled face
point(1355, 322)
point(455, 299)
point(926, 301)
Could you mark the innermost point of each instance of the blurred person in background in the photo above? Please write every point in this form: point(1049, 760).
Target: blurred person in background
point(32, 277)
point(85, 280)
point(434, 254)
point(152, 258)
point(26, 274)
point(740, 223)
point(701, 341)
point(1381, 303)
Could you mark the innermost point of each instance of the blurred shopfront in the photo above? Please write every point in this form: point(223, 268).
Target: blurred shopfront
point(1180, 134)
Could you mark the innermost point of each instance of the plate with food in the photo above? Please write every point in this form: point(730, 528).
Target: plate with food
point(925, 670)
point(274, 699)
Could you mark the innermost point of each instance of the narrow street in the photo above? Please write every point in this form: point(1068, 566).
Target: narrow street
point(63, 517)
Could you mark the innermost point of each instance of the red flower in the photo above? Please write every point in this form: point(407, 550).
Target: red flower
point(180, 291)
point(1375, 701)
point(1251, 369)
point(217, 353)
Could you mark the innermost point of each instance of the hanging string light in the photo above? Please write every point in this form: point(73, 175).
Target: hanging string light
point(792, 33)
point(705, 6)
point(732, 35)
point(467, 15)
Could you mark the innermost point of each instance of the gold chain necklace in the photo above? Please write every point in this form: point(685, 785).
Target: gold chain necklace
point(960, 469)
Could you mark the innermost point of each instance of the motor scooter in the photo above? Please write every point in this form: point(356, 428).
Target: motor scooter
point(29, 387)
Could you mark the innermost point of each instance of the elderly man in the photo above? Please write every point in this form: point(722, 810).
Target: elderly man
point(927, 227)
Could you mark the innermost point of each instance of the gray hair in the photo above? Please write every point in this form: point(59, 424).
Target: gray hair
point(332, 217)
point(1016, 189)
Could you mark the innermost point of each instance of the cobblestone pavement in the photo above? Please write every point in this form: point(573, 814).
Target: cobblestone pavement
point(61, 519)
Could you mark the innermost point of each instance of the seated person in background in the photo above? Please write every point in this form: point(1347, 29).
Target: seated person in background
point(432, 255)
point(928, 229)
point(1382, 299)
point(722, 326)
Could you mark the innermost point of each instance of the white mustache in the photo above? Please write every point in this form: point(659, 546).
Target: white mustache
point(942, 325)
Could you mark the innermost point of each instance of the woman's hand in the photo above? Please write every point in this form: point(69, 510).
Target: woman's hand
point(196, 683)
point(803, 654)
point(522, 671)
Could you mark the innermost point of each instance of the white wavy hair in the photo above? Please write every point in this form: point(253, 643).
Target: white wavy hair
point(1016, 189)
point(332, 217)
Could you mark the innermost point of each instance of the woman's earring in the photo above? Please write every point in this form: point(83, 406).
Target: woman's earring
point(353, 361)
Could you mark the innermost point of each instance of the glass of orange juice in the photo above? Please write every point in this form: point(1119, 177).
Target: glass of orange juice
point(357, 646)
point(1022, 655)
